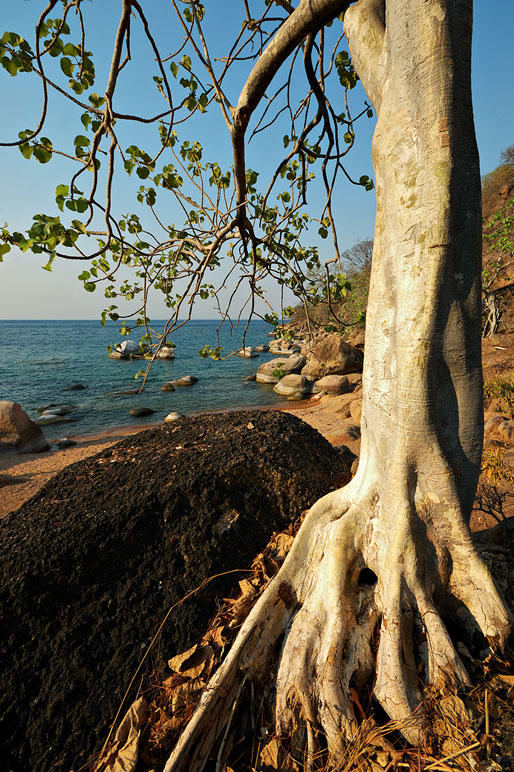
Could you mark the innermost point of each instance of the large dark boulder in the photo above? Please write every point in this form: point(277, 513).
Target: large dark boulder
point(91, 565)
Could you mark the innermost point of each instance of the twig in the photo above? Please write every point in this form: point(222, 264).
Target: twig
point(452, 756)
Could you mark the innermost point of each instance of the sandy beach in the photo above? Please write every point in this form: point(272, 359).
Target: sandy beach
point(32, 470)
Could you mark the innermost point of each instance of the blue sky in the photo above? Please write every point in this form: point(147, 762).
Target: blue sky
point(28, 292)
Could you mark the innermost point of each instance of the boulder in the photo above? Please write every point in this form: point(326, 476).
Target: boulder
point(18, 431)
point(126, 350)
point(52, 418)
point(261, 347)
point(58, 410)
point(275, 369)
point(137, 412)
point(129, 347)
point(295, 386)
point(168, 386)
point(166, 352)
point(186, 380)
point(247, 352)
point(86, 584)
point(331, 355)
point(356, 410)
point(355, 380)
point(338, 404)
point(283, 347)
point(332, 384)
point(173, 416)
point(250, 378)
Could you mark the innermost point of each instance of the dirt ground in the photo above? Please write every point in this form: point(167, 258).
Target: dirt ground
point(90, 566)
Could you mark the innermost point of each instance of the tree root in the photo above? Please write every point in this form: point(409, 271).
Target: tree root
point(350, 572)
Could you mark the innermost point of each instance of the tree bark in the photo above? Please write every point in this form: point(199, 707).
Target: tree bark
point(404, 516)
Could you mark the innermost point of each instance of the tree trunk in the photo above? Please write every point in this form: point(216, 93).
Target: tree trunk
point(404, 517)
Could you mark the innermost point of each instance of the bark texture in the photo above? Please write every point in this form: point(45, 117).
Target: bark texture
point(390, 557)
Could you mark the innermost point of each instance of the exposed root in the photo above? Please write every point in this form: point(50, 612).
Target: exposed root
point(350, 571)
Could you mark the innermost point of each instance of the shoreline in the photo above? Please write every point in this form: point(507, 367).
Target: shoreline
point(23, 474)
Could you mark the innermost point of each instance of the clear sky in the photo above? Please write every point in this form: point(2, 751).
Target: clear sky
point(28, 292)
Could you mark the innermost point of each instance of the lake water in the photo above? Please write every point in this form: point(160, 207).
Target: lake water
point(41, 358)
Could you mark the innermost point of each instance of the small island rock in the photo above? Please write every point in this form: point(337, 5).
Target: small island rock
point(247, 352)
point(166, 352)
point(185, 380)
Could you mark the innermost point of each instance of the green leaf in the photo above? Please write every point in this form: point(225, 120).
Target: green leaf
point(96, 100)
point(70, 50)
point(42, 154)
point(48, 266)
point(67, 66)
point(4, 249)
point(25, 150)
point(174, 69)
point(81, 141)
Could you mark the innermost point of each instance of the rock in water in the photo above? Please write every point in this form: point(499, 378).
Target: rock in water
point(186, 380)
point(18, 431)
point(166, 352)
point(86, 583)
point(137, 412)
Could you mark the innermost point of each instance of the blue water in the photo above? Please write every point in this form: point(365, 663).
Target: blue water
point(40, 358)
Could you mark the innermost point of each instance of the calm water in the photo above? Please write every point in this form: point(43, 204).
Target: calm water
point(40, 358)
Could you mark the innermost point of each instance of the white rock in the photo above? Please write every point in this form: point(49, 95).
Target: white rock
point(173, 416)
point(166, 352)
point(247, 352)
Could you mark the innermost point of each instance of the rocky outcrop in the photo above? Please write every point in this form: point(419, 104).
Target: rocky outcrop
point(17, 431)
point(331, 355)
point(275, 369)
point(284, 347)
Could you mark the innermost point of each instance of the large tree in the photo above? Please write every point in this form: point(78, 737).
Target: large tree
point(389, 557)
